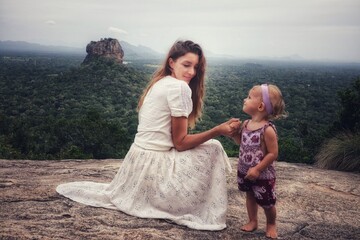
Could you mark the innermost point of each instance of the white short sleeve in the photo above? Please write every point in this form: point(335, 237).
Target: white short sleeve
point(179, 99)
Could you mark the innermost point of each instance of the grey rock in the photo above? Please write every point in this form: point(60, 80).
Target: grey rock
point(107, 48)
point(312, 204)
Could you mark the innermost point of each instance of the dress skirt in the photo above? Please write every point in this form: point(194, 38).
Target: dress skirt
point(188, 187)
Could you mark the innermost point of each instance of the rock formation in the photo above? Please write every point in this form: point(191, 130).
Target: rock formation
point(107, 48)
point(312, 204)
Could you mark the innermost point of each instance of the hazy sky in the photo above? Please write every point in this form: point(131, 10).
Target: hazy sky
point(313, 29)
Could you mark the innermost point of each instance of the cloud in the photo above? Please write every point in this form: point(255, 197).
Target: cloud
point(50, 22)
point(117, 30)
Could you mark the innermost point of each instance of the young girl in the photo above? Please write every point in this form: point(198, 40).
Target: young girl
point(258, 151)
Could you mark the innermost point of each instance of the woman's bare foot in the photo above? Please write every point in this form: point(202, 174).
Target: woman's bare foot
point(250, 226)
point(271, 231)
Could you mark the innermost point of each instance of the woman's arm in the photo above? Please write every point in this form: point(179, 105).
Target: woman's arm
point(271, 155)
point(184, 141)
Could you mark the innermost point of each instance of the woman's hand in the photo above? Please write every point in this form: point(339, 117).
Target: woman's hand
point(229, 128)
point(183, 141)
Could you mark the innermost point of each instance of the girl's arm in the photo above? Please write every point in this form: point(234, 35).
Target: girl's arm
point(236, 136)
point(272, 154)
point(184, 141)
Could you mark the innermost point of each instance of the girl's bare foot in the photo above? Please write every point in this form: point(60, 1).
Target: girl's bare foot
point(271, 231)
point(250, 226)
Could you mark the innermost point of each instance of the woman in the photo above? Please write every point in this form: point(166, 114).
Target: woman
point(168, 173)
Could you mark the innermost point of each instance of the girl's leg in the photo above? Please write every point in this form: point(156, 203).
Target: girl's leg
point(252, 209)
point(270, 214)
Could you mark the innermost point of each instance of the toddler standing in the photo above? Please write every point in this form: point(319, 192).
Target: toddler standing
point(258, 151)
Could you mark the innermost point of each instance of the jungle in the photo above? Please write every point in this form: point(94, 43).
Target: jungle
point(54, 107)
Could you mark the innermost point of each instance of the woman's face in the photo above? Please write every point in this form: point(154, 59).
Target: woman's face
point(184, 68)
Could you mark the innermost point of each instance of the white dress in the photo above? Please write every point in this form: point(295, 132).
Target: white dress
point(155, 180)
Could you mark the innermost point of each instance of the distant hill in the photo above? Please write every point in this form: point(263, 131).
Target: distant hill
point(131, 51)
point(26, 47)
point(139, 52)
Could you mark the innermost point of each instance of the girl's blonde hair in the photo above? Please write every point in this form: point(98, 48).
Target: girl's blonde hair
point(277, 103)
point(179, 49)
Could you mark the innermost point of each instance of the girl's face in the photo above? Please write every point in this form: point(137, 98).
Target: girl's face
point(253, 101)
point(184, 68)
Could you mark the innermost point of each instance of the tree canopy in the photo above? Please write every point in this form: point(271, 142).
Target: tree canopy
point(52, 107)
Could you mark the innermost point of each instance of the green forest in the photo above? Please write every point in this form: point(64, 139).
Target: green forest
point(53, 107)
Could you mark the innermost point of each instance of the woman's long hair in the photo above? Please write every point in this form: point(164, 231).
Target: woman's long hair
point(179, 49)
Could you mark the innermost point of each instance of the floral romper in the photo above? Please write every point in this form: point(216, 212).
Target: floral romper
point(250, 155)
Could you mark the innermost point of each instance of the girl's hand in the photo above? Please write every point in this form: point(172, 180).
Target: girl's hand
point(252, 174)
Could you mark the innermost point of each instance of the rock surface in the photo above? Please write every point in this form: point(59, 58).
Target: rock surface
point(107, 48)
point(312, 204)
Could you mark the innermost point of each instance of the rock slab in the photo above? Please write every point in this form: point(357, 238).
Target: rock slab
point(312, 204)
point(107, 48)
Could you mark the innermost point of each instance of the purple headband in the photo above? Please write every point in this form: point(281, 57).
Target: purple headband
point(266, 98)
